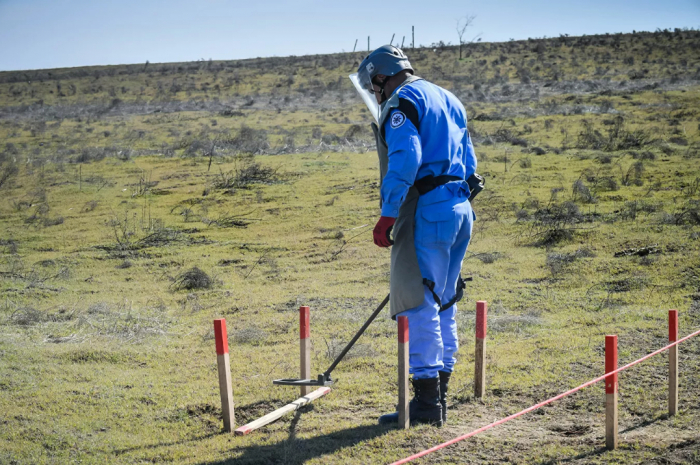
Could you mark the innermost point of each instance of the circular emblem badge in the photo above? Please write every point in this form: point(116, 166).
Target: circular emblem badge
point(397, 119)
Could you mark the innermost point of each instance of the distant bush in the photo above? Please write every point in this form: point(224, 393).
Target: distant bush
point(617, 137)
point(354, 132)
point(688, 213)
point(7, 171)
point(581, 192)
point(633, 175)
point(554, 224)
point(250, 335)
point(249, 172)
point(249, 141)
point(643, 156)
point(633, 208)
point(28, 316)
point(557, 262)
point(505, 135)
point(194, 278)
point(90, 154)
point(525, 163)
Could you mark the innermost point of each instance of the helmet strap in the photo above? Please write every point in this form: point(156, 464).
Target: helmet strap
point(381, 86)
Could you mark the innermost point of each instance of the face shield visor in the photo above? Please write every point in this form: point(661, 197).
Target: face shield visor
point(367, 96)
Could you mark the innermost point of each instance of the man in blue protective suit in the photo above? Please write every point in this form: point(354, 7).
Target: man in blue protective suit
point(426, 157)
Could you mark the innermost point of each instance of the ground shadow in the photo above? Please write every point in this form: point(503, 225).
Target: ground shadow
point(295, 451)
point(645, 423)
point(584, 455)
point(165, 444)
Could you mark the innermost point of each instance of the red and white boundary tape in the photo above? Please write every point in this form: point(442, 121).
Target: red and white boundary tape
point(542, 404)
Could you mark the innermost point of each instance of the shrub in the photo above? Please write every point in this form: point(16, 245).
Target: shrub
point(617, 138)
point(556, 262)
point(7, 171)
point(251, 335)
point(581, 192)
point(525, 163)
point(688, 213)
point(633, 176)
point(249, 140)
point(194, 278)
point(554, 224)
point(243, 176)
point(27, 316)
point(631, 209)
point(643, 156)
point(354, 132)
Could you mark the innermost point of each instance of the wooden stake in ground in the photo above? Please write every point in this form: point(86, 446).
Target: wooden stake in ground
point(404, 417)
point(224, 365)
point(304, 349)
point(480, 350)
point(611, 393)
point(272, 416)
point(673, 363)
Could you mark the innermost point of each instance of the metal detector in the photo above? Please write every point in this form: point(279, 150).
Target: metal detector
point(324, 379)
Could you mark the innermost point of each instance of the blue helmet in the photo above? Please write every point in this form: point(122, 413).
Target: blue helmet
point(387, 60)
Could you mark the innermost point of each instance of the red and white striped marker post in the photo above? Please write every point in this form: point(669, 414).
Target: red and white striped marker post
point(611, 392)
point(304, 349)
point(480, 350)
point(673, 363)
point(224, 364)
point(404, 417)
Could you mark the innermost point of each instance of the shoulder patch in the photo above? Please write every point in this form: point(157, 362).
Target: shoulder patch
point(397, 119)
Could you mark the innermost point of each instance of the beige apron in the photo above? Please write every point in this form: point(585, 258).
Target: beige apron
point(406, 285)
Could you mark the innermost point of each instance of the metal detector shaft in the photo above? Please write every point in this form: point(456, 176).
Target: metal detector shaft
point(352, 342)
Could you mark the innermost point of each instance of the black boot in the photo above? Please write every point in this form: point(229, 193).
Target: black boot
point(444, 381)
point(425, 405)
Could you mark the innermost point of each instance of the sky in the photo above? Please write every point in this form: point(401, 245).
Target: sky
point(37, 34)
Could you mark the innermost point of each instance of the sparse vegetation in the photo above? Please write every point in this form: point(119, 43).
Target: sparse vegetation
point(143, 201)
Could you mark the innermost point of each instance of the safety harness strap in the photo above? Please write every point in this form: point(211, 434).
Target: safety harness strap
point(430, 182)
point(461, 285)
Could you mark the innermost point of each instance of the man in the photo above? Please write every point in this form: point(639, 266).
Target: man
point(426, 157)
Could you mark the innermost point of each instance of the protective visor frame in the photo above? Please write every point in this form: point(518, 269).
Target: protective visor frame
point(367, 95)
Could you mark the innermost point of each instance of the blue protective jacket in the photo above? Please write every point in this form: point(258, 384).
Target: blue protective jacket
point(438, 145)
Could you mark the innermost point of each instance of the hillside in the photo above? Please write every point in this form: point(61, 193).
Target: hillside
point(143, 201)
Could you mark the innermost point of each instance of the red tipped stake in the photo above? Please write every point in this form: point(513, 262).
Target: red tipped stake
point(480, 350)
point(224, 367)
point(611, 392)
point(221, 337)
point(404, 419)
point(673, 363)
point(304, 348)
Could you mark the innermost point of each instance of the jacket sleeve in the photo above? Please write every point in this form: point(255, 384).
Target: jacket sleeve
point(405, 156)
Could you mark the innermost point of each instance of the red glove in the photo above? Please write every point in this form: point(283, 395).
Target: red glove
point(382, 230)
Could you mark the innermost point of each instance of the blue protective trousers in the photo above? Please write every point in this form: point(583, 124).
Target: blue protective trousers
point(442, 232)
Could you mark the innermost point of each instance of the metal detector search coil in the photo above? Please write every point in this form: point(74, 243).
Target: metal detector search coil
point(321, 381)
point(324, 379)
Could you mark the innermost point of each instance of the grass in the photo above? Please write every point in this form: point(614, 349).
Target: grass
point(588, 226)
